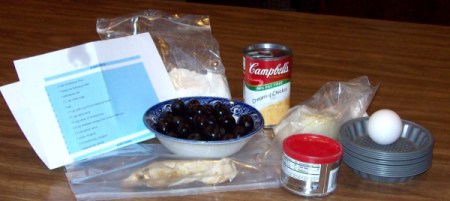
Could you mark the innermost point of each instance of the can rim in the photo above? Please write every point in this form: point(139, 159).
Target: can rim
point(268, 46)
point(312, 148)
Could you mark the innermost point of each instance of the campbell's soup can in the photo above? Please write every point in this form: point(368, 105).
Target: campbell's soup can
point(267, 71)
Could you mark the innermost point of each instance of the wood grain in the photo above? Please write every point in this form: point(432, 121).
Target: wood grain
point(410, 61)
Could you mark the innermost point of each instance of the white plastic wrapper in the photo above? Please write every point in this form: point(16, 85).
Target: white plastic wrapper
point(186, 45)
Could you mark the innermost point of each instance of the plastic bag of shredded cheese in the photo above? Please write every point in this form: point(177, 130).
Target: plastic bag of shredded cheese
point(331, 106)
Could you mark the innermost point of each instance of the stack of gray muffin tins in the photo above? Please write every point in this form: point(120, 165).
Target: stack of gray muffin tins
point(400, 161)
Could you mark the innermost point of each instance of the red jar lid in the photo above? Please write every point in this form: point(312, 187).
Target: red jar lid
point(312, 148)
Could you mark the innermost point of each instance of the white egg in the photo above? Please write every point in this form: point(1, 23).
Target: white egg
point(384, 127)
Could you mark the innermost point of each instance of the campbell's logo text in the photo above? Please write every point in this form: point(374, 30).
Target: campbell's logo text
point(278, 70)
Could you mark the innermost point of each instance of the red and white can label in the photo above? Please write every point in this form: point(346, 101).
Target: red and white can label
point(267, 81)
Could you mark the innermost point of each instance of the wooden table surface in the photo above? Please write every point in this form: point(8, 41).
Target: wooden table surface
point(410, 61)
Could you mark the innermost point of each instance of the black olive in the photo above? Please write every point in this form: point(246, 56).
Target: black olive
point(178, 107)
point(195, 109)
point(163, 126)
point(247, 122)
point(189, 119)
point(200, 121)
point(228, 122)
point(220, 110)
point(218, 104)
point(212, 120)
point(183, 130)
point(240, 131)
point(207, 130)
point(194, 136)
point(213, 133)
point(195, 121)
point(229, 136)
point(166, 115)
point(177, 120)
point(208, 110)
point(220, 130)
point(193, 102)
point(172, 134)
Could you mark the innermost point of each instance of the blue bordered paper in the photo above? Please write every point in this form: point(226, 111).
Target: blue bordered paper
point(88, 99)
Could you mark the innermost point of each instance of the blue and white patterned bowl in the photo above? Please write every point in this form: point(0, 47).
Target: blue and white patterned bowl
point(204, 149)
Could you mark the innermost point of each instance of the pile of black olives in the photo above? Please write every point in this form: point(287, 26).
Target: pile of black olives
point(206, 122)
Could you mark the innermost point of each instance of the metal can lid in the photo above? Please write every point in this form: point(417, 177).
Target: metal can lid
point(267, 51)
point(312, 148)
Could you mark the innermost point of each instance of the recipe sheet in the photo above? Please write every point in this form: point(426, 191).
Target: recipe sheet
point(79, 102)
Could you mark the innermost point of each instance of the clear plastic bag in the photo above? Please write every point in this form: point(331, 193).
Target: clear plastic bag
point(107, 176)
point(323, 113)
point(186, 45)
point(331, 106)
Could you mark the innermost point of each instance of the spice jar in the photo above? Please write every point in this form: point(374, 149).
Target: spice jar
point(310, 164)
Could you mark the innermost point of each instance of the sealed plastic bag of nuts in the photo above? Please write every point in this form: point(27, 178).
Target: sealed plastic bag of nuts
point(186, 45)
